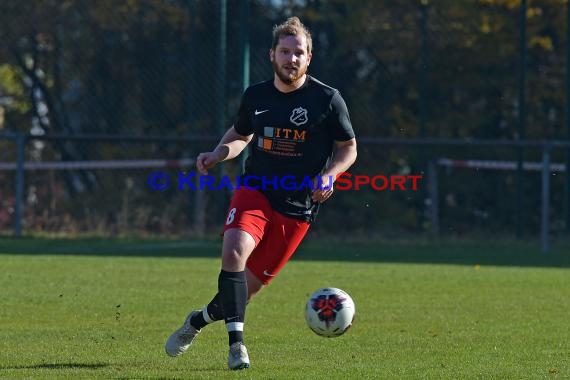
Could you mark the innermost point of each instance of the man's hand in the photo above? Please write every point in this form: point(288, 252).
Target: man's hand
point(323, 189)
point(206, 161)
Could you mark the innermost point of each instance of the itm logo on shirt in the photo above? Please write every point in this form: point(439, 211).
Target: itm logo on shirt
point(299, 116)
point(281, 140)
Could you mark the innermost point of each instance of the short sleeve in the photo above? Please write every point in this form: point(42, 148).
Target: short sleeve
point(242, 122)
point(342, 127)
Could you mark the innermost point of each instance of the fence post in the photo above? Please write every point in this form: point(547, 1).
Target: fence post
point(433, 196)
point(545, 225)
point(245, 62)
point(567, 193)
point(20, 159)
point(521, 123)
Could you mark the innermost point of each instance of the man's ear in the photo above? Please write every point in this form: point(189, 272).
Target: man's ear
point(271, 55)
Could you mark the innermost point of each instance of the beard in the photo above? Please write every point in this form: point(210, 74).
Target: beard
point(286, 76)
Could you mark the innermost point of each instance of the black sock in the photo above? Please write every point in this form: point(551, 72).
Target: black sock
point(213, 313)
point(232, 288)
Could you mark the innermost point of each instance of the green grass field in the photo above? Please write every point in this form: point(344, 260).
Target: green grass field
point(453, 310)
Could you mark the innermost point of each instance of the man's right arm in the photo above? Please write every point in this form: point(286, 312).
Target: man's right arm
point(230, 146)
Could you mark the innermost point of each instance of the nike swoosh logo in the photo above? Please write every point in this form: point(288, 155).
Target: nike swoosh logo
point(260, 112)
point(266, 273)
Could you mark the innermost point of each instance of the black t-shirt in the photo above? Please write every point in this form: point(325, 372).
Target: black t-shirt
point(294, 135)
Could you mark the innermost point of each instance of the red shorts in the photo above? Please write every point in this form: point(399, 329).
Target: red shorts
point(276, 236)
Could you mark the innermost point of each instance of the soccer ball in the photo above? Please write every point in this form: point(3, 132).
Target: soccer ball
point(329, 312)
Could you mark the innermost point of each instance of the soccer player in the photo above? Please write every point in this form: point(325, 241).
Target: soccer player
point(298, 128)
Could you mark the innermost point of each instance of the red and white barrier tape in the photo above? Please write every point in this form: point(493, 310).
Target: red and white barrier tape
point(103, 164)
point(497, 165)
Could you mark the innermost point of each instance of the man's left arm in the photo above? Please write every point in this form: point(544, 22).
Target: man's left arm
point(343, 158)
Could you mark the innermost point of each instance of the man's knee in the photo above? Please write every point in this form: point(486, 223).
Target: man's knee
point(237, 247)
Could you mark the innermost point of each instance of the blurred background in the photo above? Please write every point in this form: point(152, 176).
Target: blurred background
point(472, 95)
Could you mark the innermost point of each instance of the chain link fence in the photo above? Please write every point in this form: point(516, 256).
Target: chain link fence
point(161, 80)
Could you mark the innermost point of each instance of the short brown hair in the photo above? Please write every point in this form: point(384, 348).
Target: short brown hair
point(292, 27)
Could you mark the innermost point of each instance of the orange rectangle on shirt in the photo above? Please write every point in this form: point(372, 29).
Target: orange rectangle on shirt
point(267, 144)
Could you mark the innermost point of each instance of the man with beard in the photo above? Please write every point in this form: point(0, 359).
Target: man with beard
point(299, 129)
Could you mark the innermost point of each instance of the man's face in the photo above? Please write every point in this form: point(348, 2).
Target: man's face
point(290, 58)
